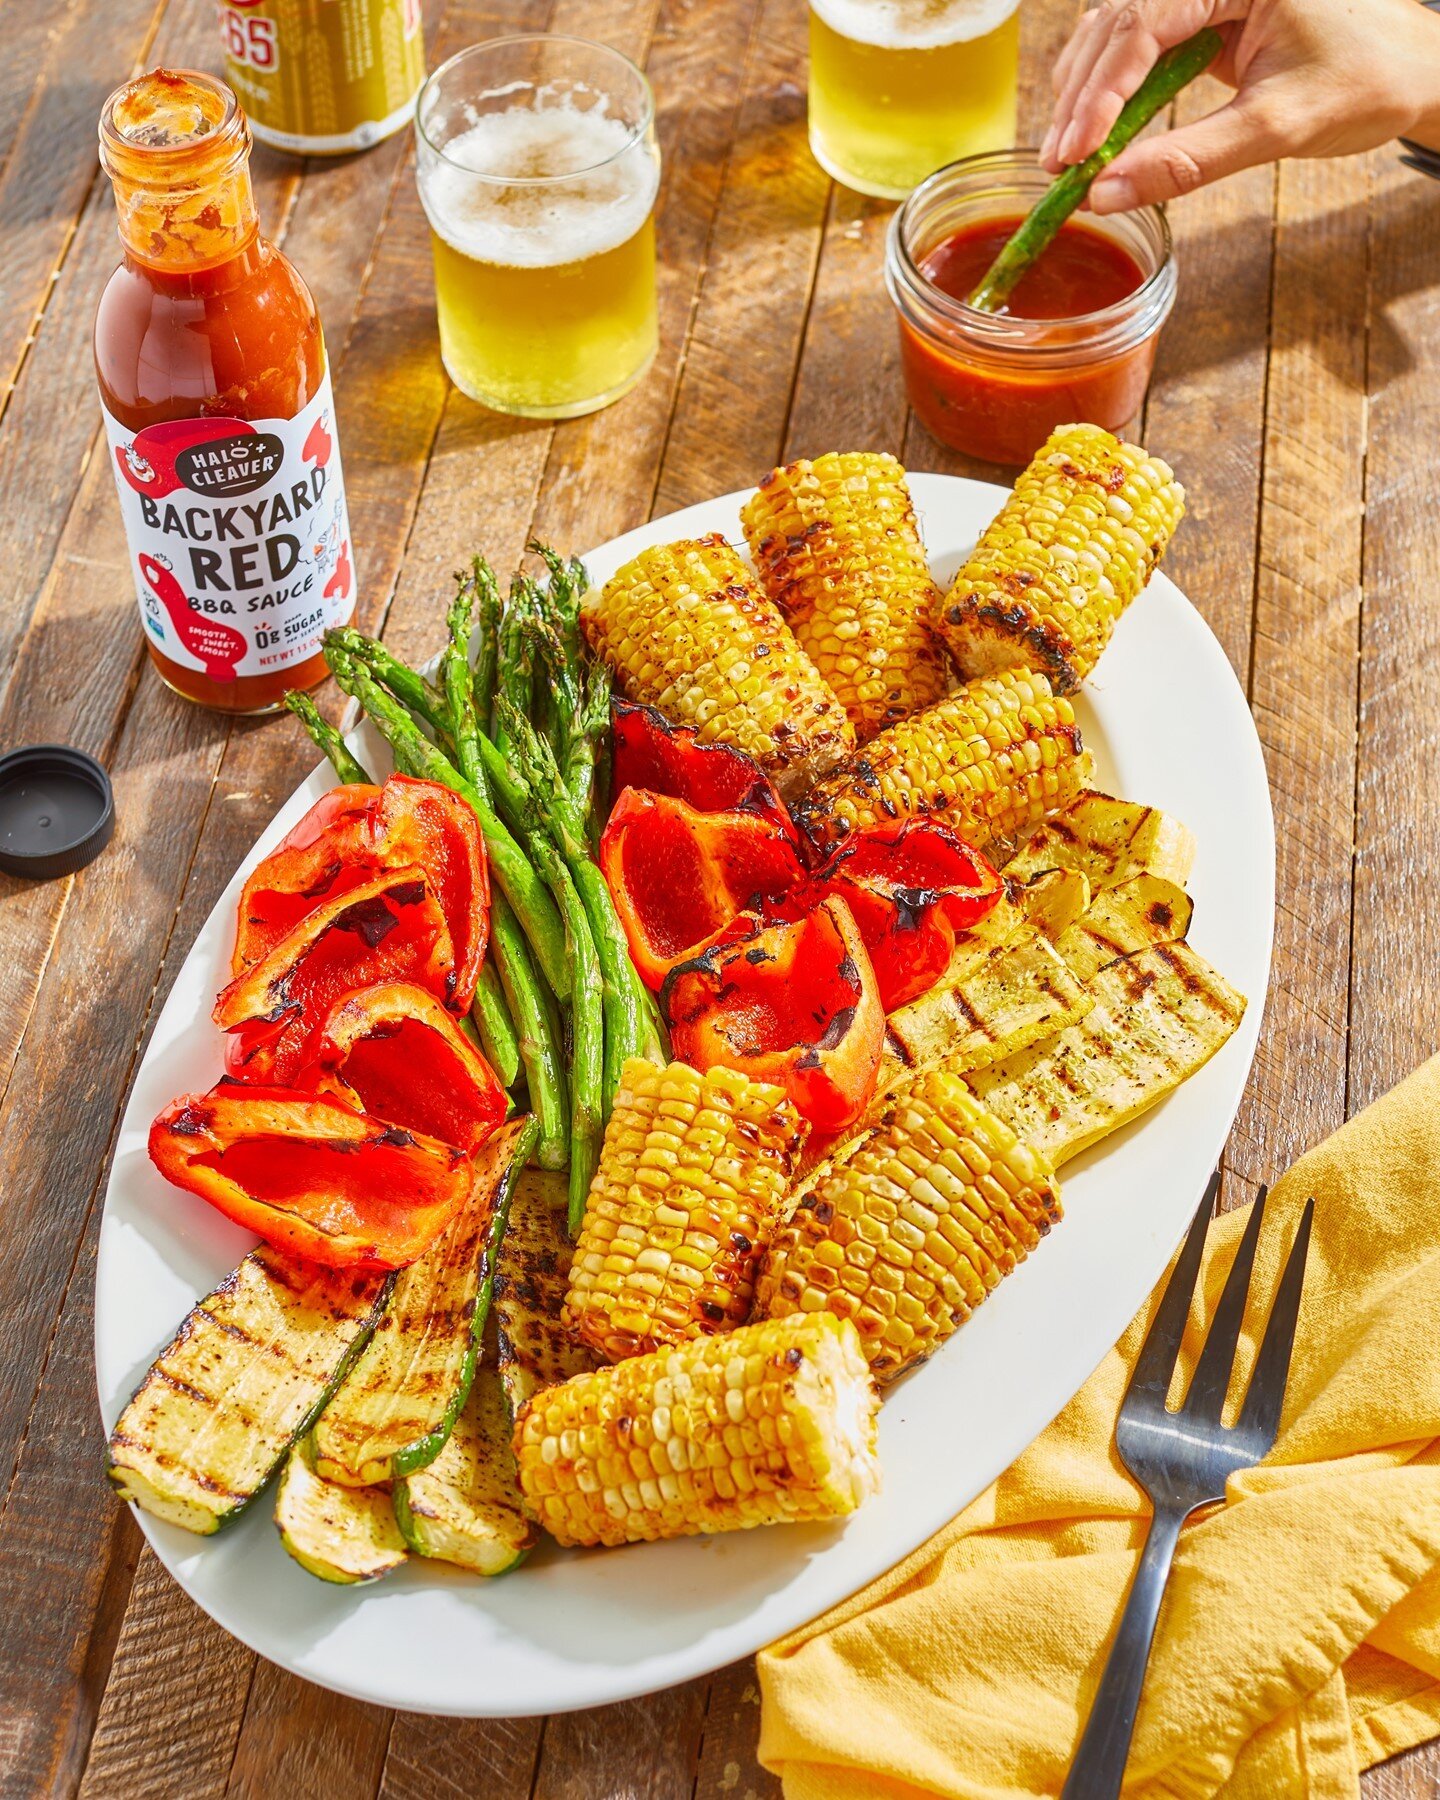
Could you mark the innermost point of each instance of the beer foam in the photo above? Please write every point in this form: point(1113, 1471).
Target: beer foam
point(537, 226)
point(913, 24)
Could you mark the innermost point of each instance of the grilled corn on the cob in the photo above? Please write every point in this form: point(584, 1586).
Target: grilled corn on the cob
point(913, 1225)
point(993, 759)
point(693, 1176)
point(685, 629)
point(1075, 543)
point(773, 1423)
point(839, 552)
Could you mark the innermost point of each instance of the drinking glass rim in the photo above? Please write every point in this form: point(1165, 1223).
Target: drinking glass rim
point(975, 318)
point(633, 136)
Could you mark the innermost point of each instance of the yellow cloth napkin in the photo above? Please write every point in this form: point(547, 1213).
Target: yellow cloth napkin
point(1300, 1637)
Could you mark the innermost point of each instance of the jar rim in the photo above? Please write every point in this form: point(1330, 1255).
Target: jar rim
point(227, 137)
point(633, 136)
point(1006, 331)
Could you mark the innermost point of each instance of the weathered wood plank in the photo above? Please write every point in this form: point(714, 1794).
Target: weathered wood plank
point(1414, 1776)
point(56, 1124)
point(171, 1664)
point(298, 1738)
point(1206, 409)
point(1206, 415)
point(640, 1750)
point(50, 164)
point(1306, 643)
point(1394, 1019)
point(728, 428)
point(729, 1768)
point(849, 392)
point(437, 1759)
point(1395, 1000)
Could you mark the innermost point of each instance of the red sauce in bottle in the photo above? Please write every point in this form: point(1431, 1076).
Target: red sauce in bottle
point(213, 377)
point(1002, 405)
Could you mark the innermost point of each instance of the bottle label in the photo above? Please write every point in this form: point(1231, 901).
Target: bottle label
point(238, 536)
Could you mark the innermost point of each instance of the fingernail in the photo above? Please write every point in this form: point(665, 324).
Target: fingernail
point(1112, 193)
point(1047, 149)
point(1067, 144)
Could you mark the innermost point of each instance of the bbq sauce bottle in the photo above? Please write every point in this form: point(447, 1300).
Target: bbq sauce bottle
point(218, 412)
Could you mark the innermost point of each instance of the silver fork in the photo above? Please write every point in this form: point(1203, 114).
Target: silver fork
point(1183, 1459)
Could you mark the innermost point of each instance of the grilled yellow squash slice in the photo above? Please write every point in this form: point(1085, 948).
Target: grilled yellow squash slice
point(399, 1403)
point(1145, 910)
point(1156, 1018)
point(1054, 900)
point(1016, 995)
point(1107, 841)
point(342, 1534)
point(243, 1378)
point(530, 1286)
point(465, 1507)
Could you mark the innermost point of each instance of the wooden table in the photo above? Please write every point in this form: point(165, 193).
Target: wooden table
point(1297, 394)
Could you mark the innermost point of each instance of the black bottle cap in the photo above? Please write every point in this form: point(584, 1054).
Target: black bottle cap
point(57, 812)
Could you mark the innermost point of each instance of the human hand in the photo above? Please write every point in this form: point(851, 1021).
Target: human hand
point(1312, 78)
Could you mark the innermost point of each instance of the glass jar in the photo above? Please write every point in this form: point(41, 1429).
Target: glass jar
point(996, 385)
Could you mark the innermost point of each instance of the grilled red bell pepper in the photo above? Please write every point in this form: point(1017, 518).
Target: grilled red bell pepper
point(312, 1175)
point(302, 869)
point(392, 1051)
point(678, 876)
point(388, 927)
point(651, 753)
point(351, 834)
point(911, 888)
point(797, 1004)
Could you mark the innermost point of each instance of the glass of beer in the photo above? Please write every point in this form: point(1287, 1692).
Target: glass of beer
point(538, 169)
point(898, 88)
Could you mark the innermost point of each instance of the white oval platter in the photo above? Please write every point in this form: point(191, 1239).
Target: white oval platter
point(1169, 725)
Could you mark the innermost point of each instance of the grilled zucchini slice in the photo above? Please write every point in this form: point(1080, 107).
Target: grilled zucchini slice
point(530, 1284)
point(1156, 1018)
point(465, 1507)
point(243, 1378)
point(342, 1534)
point(1108, 841)
point(399, 1403)
point(1145, 910)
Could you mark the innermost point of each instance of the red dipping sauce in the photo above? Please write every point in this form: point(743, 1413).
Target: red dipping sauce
point(1082, 271)
point(1077, 340)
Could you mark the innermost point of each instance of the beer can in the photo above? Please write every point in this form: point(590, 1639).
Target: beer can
point(322, 77)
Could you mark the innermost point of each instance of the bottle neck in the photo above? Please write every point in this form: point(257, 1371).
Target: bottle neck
point(176, 147)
